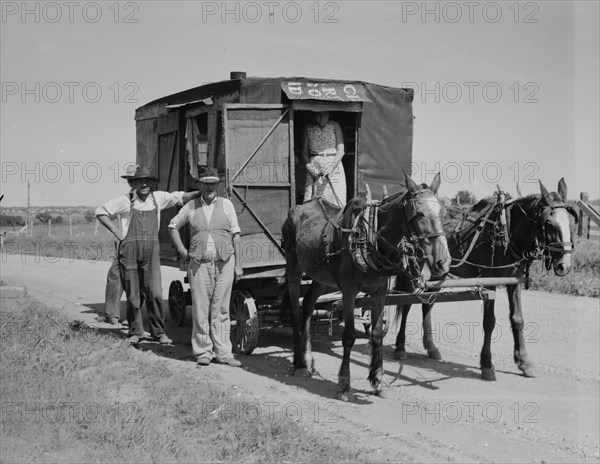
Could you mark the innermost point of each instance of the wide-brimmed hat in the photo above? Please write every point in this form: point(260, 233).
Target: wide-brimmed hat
point(142, 172)
point(208, 176)
point(130, 171)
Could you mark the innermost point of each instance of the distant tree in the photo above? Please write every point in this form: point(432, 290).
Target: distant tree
point(464, 197)
point(58, 220)
point(89, 215)
point(43, 217)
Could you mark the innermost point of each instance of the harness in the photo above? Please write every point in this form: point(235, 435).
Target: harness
point(364, 241)
point(501, 236)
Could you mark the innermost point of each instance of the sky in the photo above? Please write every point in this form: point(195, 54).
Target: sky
point(505, 92)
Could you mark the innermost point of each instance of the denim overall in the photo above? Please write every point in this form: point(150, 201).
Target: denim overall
point(139, 263)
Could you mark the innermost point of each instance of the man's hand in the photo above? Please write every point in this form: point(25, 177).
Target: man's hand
point(118, 235)
point(183, 253)
point(238, 273)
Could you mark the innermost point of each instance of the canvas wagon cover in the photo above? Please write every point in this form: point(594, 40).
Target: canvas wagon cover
point(386, 133)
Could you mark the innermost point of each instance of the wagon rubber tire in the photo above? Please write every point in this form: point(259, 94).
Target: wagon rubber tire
point(177, 302)
point(244, 327)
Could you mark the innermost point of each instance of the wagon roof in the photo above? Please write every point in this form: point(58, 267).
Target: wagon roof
point(239, 85)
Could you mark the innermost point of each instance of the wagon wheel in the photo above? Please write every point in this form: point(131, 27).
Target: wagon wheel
point(386, 320)
point(244, 322)
point(177, 302)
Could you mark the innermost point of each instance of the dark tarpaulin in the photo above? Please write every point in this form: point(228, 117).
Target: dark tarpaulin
point(386, 132)
point(386, 138)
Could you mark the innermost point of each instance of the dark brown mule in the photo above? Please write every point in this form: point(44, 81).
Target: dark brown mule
point(537, 225)
point(322, 243)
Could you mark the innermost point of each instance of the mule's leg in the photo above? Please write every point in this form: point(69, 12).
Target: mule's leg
point(516, 323)
point(294, 276)
point(400, 351)
point(428, 342)
point(489, 322)
point(377, 334)
point(308, 305)
point(348, 339)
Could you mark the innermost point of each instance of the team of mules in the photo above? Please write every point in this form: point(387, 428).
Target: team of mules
point(359, 247)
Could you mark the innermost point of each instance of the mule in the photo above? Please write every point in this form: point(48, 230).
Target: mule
point(344, 249)
point(536, 225)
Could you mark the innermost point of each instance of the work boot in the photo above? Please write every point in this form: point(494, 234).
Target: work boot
point(230, 362)
point(163, 339)
point(111, 320)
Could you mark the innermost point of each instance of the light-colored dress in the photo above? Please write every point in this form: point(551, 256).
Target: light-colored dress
point(323, 148)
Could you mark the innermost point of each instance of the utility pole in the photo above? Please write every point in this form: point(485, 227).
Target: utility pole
point(29, 222)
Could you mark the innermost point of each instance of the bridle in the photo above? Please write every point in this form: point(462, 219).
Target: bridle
point(548, 246)
point(409, 252)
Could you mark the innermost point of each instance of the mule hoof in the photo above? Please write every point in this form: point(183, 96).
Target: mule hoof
point(343, 396)
point(488, 373)
point(400, 355)
point(529, 371)
point(382, 392)
point(304, 372)
point(434, 353)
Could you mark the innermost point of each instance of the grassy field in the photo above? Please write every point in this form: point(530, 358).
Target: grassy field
point(72, 394)
point(583, 280)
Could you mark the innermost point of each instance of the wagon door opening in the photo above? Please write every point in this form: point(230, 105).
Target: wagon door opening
point(349, 120)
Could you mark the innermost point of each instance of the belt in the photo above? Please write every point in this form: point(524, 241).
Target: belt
point(204, 261)
point(324, 155)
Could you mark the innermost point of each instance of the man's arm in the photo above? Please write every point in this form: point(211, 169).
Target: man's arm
point(188, 196)
point(106, 222)
point(178, 243)
point(176, 223)
point(239, 271)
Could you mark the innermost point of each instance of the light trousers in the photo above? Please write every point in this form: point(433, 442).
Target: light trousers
point(211, 284)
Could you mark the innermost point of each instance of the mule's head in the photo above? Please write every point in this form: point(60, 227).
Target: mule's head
point(557, 227)
point(424, 219)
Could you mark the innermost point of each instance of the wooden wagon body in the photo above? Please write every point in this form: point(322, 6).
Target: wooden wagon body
point(251, 130)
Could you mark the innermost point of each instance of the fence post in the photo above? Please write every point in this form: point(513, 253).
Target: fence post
point(70, 226)
point(49, 227)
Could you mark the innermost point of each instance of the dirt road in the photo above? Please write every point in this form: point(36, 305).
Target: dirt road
point(436, 411)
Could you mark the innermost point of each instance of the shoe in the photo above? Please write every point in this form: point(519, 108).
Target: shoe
point(133, 339)
point(230, 362)
point(203, 362)
point(111, 320)
point(163, 339)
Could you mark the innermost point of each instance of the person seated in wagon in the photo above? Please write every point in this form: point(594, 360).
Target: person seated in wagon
point(322, 153)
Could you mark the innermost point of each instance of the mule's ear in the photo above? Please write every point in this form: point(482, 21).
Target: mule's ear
point(545, 195)
point(435, 185)
point(410, 184)
point(562, 189)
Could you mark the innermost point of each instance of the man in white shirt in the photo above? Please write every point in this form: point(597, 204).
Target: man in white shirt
point(139, 257)
point(214, 265)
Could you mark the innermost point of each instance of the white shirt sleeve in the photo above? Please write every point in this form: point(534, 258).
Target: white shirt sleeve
point(182, 218)
point(234, 227)
point(166, 199)
point(114, 207)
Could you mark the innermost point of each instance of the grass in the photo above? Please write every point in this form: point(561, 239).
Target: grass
point(584, 278)
point(70, 394)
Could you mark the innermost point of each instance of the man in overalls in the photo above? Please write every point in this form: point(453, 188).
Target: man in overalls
point(139, 259)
